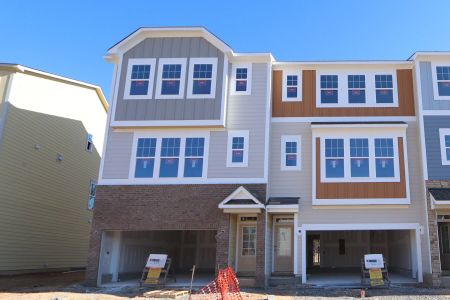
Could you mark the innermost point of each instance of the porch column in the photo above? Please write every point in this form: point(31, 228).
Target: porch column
point(303, 234)
point(419, 256)
point(414, 257)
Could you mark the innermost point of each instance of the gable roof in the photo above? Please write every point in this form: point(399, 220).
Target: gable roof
point(440, 194)
point(239, 198)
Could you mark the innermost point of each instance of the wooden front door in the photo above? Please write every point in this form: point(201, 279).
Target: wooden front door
point(246, 256)
point(284, 248)
point(444, 244)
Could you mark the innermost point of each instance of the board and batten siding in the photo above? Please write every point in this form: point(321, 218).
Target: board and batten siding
point(436, 171)
point(170, 109)
point(426, 81)
point(243, 113)
point(43, 202)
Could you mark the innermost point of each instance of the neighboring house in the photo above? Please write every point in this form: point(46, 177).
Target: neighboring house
point(279, 169)
point(433, 90)
point(51, 136)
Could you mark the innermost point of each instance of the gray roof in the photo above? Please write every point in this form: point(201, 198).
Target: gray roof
point(283, 200)
point(240, 202)
point(440, 194)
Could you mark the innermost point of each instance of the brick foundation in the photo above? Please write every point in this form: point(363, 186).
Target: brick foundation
point(433, 228)
point(169, 207)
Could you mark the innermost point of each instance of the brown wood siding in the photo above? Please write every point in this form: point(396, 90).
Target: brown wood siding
point(307, 107)
point(361, 190)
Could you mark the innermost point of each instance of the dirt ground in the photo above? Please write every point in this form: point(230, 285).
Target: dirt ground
point(68, 286)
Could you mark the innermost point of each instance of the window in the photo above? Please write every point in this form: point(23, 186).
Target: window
point(384, 153)
point(290, 152)
point(356, 89)
point(248, 240)
point(359, 157)
point(334, 153)
point(291, 86)
point(202, 77)
point(145, 158)
point(329, 88)
point(444, 137)
point(89, 142)
point(443, 80)
point(139, 80)
point(92, 191)
point(384, 89)
point(242, 75)
point(170, 152)
point(237, 149)
point(171, 74)
point(193, 153)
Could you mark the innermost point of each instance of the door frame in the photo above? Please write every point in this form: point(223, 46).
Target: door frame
point(294, 236)
point(238, 235)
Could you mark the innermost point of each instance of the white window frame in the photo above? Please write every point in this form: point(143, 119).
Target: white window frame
point(292, 72)
point(249, 79)
point(442, 133)
point(347, 159)
point(435, 81)
point(291, 138)
point(343, 99)
point(169, 61)
point(231, 135)
point(151, 80)
point(159, 136)
point(202, 60)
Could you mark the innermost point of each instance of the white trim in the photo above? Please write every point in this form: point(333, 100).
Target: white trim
point(370, 89)
point(287, 208)
point(432, 112)
point(159, 135)
point(435, 81)
point(357, 126)
point(291, 138)
point(420, 114)
point(224, 100)
point(231, 135)
point(202, 60)
point(442, 133)
point(292, 72)
point(295, 233)
point(168, 61)
point(248, 91)
point(445, 204)
point(267, 125)
point(343, 119)
point(151, 80)
point(277, 64)
point(168, 123)
point(361, 201)
point(169, 181)
point(6, 104)
point(356, 227)
point(235, 195)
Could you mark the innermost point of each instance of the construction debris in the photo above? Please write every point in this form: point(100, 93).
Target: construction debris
point(172, 294)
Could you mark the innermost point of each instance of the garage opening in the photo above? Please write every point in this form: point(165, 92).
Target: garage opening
point(124, 254)
point(334, 257)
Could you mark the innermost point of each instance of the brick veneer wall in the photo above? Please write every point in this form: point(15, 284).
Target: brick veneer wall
point(433, 228)
point(168, 207)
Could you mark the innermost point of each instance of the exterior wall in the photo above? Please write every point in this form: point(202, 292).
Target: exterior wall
point(43, 203)
point(168, 207)
point(436, 171)
point(4, 76)
point(116, 164)
point(426, 83)
point(170, 109)
point(307, 107)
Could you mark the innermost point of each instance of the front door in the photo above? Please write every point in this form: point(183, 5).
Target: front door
point(444, 244)
point(246, 256)
point(284, 246)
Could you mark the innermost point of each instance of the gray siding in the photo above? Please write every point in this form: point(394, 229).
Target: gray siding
point(170, 109)
point(428, 101)
point(118, 155)
point(436, 171)
point(243, 113)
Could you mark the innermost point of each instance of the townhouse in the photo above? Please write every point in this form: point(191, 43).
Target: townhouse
point(287, 171)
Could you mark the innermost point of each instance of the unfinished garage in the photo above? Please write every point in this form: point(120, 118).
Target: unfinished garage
point(124, 253)
point(334, 257)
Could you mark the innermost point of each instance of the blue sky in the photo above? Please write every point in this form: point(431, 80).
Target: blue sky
point(69, 38)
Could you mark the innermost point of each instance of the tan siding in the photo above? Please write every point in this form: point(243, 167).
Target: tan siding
point(43, 212)
point(307, 107)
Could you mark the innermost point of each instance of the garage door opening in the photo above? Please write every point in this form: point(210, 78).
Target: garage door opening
point(124, 254)
point(334, 257)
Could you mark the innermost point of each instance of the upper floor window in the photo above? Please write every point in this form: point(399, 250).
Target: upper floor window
point(356, 89)
point(384, 88)
point(171, 78)
point(202, 77)
point(237, 148)
point(360, 159)
point(241, 79)
point(329, 88)
point(443, 80)
point(169, 157)
point(444, 137)
point(139, 81)
point(89, 142)
point(290, 152)
point(291, 85)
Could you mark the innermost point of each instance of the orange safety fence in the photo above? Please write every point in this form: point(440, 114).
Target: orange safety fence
point(224, 287)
